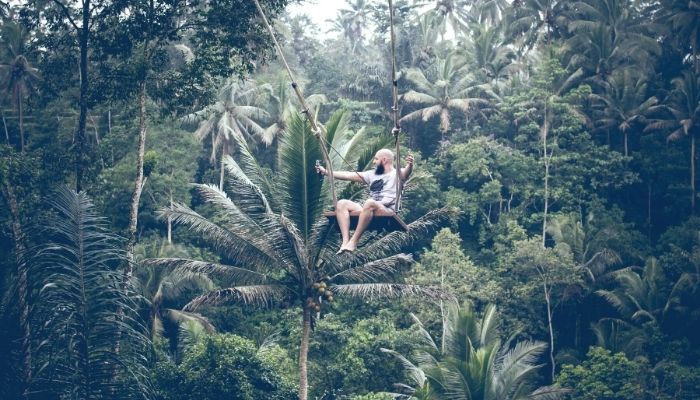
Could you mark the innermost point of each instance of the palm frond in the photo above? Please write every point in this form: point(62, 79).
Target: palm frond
point(371, 291)
point(79, 294)
point(251, 195)
point(179, 317)
point(182, 268)
point(240, 220)
point(257, 295)
point(250, 173)
point(395, 242)
point(418, 98)
point(244, 249)
point(415, 374)
point(300, 188)
point(372, 271)
point(549, 393)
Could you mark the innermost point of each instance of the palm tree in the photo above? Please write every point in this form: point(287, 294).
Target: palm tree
point(625, 104)
point(230, 118)
point(80, 292)
point(489, 55)
point(472, 362)
point(352, 21)
point(278, 246)
point(281, 107)
point(640, 297)
point(488, 12)
point(4, 10)
point(446, 88)
point(536, 21)
point(683, 105)
point(605, 38)
point(161, 285)
point(454, 13)
point(18, 72)
point(589, 244)
point(684, 18)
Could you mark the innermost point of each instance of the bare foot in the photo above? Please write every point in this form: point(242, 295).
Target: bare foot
point(351, 246)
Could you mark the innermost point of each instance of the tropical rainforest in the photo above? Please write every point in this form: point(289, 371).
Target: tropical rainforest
point(162, 223)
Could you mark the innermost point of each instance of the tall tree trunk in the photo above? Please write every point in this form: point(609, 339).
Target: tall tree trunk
point(649, 210)
point(304, 353)
point(221, 173)
point(547, 298)
point(7, 133)
point(138, 182)
point(625, 144)
point(80, 136)
point(442, 306)
point(20, 115)
point(23, 304)
point(545, 133)
point(170, 220)
point(692, 173)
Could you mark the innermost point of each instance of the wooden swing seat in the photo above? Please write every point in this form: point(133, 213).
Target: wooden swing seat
point(383, 220)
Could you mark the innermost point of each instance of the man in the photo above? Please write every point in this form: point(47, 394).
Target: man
point(382, 195)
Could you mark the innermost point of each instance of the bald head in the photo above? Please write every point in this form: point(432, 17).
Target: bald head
point(386, 154)
point(383, 161)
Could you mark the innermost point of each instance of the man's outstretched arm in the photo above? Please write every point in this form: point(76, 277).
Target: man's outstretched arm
point(342, 175)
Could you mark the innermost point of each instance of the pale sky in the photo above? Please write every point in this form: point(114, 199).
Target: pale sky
point(319, 11)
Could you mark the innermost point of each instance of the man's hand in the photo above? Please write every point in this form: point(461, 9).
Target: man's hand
point(321, 170)
point(409, 159)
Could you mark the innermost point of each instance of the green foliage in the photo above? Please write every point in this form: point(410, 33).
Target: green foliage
point(347, 358)
point(373, 396)
point(222, 366)
point(170, 160)
point(446, 265)
point(89, 340)
point(472, 361)
point(604, 376)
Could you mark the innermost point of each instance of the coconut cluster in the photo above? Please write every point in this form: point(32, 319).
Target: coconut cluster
point(321, 292)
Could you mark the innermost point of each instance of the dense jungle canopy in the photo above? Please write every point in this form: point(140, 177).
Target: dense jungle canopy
point(162, 221)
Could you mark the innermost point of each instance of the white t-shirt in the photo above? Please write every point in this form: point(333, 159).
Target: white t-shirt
point(382, 188)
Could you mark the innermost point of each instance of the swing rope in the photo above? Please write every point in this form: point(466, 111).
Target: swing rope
point(317, 130)
point(305, 109)
point(395, 109)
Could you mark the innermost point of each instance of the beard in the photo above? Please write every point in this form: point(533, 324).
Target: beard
point(379, 169)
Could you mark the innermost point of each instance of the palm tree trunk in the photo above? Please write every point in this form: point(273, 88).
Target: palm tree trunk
point(82, 119)
point(23, 304)
point(221, 173)
point(692, 173)
point(20, 115)
point(170, 220)
point(138, 182)
point(551, 328)
point(649, 210)
point(625, 144)
point(7, 133)
point(303, 354)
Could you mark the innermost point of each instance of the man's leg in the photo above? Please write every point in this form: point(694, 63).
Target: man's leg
point(342, 215)
point(363, 221)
